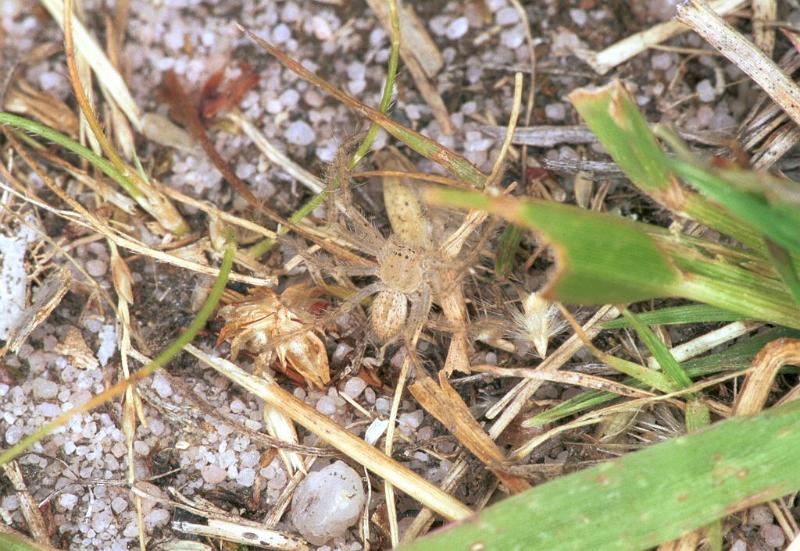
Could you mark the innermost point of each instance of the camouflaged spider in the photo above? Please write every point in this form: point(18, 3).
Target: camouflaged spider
point(412, 269)
point(405, 275)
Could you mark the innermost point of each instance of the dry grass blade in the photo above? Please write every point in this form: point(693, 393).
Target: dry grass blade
point(426, 147)
point(334, 435)
point(513, 402)
point(275, 155)
point(222, 524)
point(242, 532)
point(625, 49)
point(444, 403)
point(89, 219)
point(764, 14)
point(758, 382)
point(103, 68)
point(24, 99)
point(744, 54)
point(423, 61)
point(45, 299)
point(564, 377)
point(30, 509)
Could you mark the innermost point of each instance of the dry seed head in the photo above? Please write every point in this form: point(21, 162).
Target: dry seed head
point(263, 325)
point(537, 321)
point(121, 276)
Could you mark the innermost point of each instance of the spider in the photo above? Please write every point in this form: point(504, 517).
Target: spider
point(410, 273)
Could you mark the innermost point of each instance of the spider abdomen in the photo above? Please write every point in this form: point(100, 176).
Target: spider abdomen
point(389, 313)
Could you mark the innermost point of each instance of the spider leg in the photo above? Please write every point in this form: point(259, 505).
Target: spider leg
point(417, 316)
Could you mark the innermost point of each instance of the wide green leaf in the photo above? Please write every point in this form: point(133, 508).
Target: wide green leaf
point(605, 259)
point(643, 498)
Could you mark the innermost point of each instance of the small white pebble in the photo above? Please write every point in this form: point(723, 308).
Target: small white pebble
point(354, 387)
point(327, 503)
point(13, 435)
point(48, 409)
point(382, 405)
point(300, 133)
point(156, 517)
point(661, 61)
point(101, 521)
point(513, 38)
point(457, 28)
point(161, 385)
point(96, 267)
point(68, 501)
point(555, 111)
point(249, 458)
point(369, 395)
point(281, 34)
point(355, 87)
point(413, 420)
point(705, 91)
point(213, 474)
point(290, 12)
point(578, 17)
point(326, 405)
point(704, 116)
point(119, 504)
point(246, 477)
point(237, 406)
point(156, 426)
point(321, 28)
point(760, 515)
point(289, 98)
point(507, 16)
point(773, 535)
point(44, 389)
point(10, 502)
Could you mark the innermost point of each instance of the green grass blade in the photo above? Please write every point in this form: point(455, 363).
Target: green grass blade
point(660, 352)
point(69, 144)
point(645, 498)
point(507, 250)
point(784, 266)
point(679, 315)
point(601, 259)
point(612, 114)
point(737, 357)
point(778, 221)
point(11, 542)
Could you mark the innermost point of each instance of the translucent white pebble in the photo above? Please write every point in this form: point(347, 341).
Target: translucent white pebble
point(327, 503)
